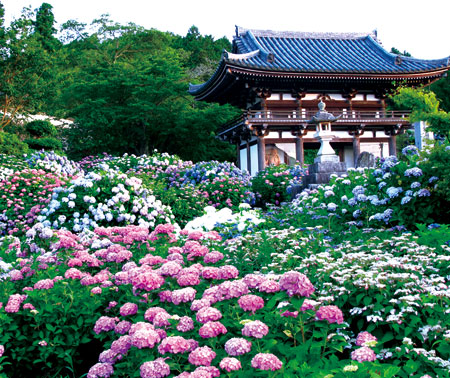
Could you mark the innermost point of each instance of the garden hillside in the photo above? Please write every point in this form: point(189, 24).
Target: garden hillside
point(153, 266)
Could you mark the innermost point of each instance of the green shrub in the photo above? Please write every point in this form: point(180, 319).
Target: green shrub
point(10, 144)
point(273, 185)
point(437, 163)
point(46, 143)
point(40, 128)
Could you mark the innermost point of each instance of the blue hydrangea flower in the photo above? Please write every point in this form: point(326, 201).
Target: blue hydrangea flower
point(393, 192)
point(415, 171)
point(415, 185)
point(410, 150)
point(405, 200)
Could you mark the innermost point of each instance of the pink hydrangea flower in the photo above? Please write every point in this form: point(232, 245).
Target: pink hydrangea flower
point(207, 314)
point(198, 304)
point(289, 314)
point(295, 283)
point(330, 313)
point(251, 302)
point(100, 369)
point(121, 345)
point(109, 356)
point(151, 313)
point(183, 295)
point(146, 279)
point(202, 356)
point(253, 280)
point(363, 354)
point(155, 369)
point(212, 329)
point(74, 273)
point(255, 329)
point(161, 319)
point(170, 268)
point(205, 372)
point(211, 273)
point(188, 279)
point(237, 346)
point(122, 327)
point(364, 337)
point(129, 309)
point(14, 302)
point(230, 364)
point(185, 324)
point(2, 350)
point(309, 305)
point(165, 296)
point(228, 272)
point(174, 344)
point(269, 286)
point(96, 290)
point(213, 257)
point(266, 361)
point(144, 336)
point(232, 289)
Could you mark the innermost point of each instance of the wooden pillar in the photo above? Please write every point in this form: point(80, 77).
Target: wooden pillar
point(238, 153)
point(299, 151)
point(261, 153)
point(393, 145)
point(249, 158)
point(356, 148)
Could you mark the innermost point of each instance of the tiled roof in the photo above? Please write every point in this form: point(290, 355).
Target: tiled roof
point(321, 52)
point(311, 56)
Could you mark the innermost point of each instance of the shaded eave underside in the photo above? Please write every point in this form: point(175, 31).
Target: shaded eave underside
point(227, 75)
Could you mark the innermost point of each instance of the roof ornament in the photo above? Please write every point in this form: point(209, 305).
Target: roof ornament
point(398, 60)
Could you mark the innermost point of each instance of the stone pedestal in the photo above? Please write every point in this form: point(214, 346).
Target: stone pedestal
point(320, 172)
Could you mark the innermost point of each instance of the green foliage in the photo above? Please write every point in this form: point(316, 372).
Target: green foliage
point(10, 144)
point(44, 27)
point(47, 143)
point(424, 107)
point(40, 128)
point(26, 70)
point(436, 162)
point(434, 235)
point(186, 203)
point(273, 185)
point(442, 90)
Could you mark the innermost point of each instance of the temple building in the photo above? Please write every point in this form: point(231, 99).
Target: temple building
point(278, 79)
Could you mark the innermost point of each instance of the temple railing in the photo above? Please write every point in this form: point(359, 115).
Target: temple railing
point(291, 116)
point(283, 118)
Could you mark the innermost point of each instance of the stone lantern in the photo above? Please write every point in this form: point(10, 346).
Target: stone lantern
point(327, 162)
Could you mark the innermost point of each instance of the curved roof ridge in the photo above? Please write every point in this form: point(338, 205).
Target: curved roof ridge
point(300, 34)
point(443, 61)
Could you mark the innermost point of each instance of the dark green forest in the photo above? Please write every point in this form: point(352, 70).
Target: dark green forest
point(124, 86)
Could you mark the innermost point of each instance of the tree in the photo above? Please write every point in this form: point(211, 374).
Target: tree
point(424, 107)
point(25, 70)
point(397, 51)
point(131, 96)
point(44, 27)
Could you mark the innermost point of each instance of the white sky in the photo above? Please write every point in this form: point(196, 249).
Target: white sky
point(417, 26)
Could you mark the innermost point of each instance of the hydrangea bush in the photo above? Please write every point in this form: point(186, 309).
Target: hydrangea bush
point(394, 193)
point(274, 184)
point(52, 162)
point(22, 195)
point(104, 198)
